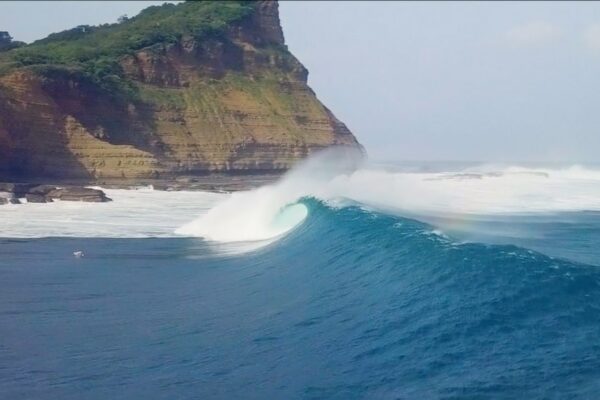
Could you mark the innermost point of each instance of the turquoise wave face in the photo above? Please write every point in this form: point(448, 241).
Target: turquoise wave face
point(289, 217)
point(350, 304)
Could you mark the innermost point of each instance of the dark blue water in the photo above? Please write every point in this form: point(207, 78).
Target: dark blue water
point(351, 305)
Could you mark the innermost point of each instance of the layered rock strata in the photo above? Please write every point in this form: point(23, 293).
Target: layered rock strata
point(235, 103)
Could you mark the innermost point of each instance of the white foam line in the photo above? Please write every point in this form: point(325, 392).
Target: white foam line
point(262, 214)
point(132, 213)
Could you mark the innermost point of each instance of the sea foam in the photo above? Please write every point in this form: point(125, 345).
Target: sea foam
point(135, 213)
point(335, 177)
point(338, 180)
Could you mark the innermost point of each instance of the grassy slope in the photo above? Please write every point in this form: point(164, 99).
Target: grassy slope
point(95, 50)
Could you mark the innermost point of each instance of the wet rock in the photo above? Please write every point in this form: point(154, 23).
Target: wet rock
point(35, 198)
point(186, 179)
point(42, 190)
point(8, 198)
point(78, 194)
point(36, 193)
point(17, 189)
point(162, 187)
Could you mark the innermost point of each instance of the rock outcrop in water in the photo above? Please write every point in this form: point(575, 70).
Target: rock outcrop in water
point(32, 193)
point(193, 88)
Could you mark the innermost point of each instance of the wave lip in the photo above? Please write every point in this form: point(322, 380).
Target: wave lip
point(270, 211)
point(459, 195)
point(247, 217)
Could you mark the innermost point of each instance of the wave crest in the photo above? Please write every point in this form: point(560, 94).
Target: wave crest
point(271, 211)
point(248, 216)
point(335, 178)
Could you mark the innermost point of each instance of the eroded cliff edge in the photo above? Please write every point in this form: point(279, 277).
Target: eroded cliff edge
point(192, 88)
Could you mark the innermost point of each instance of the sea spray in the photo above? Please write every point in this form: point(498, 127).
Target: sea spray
point(453, 195)
point(449, 199)
point(272, 210)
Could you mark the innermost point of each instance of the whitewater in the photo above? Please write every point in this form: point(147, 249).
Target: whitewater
point(474, 192)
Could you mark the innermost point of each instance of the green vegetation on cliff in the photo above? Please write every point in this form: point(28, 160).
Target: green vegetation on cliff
point(95, 51)
point(156, 24)
point(7, 42)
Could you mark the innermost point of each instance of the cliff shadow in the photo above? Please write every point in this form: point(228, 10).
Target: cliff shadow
point(110, 110)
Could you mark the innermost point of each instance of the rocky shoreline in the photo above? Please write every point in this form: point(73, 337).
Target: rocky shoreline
point(207, 183)
point(16, 193)
point(73, 190)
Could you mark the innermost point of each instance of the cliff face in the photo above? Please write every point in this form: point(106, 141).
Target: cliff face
point(236, 101)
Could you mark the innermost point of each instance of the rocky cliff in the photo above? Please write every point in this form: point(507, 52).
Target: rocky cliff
point(192, 88)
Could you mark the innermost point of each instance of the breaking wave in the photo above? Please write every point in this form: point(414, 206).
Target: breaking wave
point(341, 179)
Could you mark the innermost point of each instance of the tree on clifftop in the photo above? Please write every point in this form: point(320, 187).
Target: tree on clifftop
point(6, 42)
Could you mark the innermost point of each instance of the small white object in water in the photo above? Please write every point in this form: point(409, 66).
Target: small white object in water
point(78, 254)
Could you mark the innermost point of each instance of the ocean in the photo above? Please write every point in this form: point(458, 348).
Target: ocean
point(377, 282)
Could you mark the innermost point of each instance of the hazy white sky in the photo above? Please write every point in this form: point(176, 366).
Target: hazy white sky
point(495, 81)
